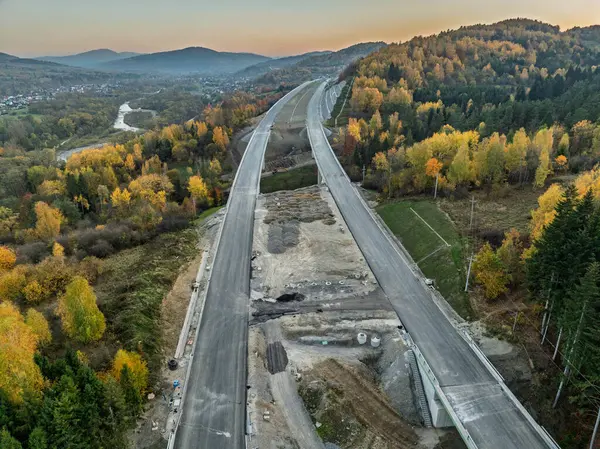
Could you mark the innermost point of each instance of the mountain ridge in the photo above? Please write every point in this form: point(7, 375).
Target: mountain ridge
point(188, 60)
point(88, 59)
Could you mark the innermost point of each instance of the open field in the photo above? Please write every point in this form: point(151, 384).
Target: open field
point(440, 257)
point(290, 180)
point(140, 119)
point(509, 207)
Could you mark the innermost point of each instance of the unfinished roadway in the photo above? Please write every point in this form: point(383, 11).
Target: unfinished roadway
point(213, 411)
point(487, 417)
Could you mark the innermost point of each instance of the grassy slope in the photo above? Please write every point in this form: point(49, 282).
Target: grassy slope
point(446, 266)
point(134, 283)
point(343, 117)
point(290, 180)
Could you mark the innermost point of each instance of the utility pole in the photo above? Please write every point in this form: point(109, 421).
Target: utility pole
point(468, 273)
point(436, 184)
point(557, 344)
point(515, 323)
point(472, 249)
point(595, 430)
point(363, 173)
point(472, 210)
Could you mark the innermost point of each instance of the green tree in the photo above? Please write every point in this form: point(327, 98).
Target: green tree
point(7, 441)
point(131, 392)
point(510, 254)
point(37, 439)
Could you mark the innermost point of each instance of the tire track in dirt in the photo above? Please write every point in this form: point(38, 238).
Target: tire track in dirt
point(367, 404)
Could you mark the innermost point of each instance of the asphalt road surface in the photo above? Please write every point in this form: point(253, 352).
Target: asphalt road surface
point(491, 418)
point(214, 406)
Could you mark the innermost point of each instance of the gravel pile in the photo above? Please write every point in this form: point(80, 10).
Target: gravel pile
point(305, 205)
point(282, 236)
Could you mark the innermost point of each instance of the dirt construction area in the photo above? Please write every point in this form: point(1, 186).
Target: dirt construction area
point(288, 145)
point(327, 364)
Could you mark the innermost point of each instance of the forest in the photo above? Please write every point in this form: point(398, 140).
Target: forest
point(75, 372)
point(497, 108)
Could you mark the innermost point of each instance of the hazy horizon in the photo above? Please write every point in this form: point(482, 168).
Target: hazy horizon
point(31, 28)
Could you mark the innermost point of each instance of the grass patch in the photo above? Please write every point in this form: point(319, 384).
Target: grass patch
point(447, 265)
point(343, 117)
point(207, 213)
point(140, 119)
point(290, 180)
point(503, 209)
point(134, 283)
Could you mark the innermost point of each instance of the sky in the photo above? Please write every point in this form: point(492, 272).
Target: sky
point(270, 27)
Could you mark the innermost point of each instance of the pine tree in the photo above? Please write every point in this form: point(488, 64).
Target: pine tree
point(7, 441)
point(131, 393)
point(37, 439)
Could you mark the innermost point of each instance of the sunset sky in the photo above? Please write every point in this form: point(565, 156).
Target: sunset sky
point(269, 27)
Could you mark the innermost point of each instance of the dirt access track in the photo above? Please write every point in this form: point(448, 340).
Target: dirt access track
point(289, 145)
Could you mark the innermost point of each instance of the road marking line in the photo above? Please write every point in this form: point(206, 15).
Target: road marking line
point(436, 233)
point(294, 111)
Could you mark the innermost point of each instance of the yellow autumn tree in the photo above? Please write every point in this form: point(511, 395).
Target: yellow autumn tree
point(58, 250)
point(38, 324)
point(48, 221)
point(544, 168)
point(546, 211)
point(354, 129)
point(12, 283)
point(120, 198)
point(137, 152)
point(137, 367)
point(33, 292)
point(198, 190)
point(7, 258)
point(80, 317)
point(380, 162)
point(220, 138)
point(129, 162)
point(18, 343)
point(490, 272)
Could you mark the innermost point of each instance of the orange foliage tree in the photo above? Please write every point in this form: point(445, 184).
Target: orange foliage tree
point(7, 258)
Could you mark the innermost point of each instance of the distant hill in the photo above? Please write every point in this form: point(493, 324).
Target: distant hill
point(89, 59)
point(341, 58)
point(6, 57)
point(324, 64)
point(188, 60)
point(23, 75)
point(278, 63)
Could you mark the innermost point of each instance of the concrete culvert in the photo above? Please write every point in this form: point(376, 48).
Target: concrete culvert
point(375, 341)
point(287, 297)
point(362, 338)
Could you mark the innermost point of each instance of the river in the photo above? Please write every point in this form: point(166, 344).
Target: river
point(124, 109)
